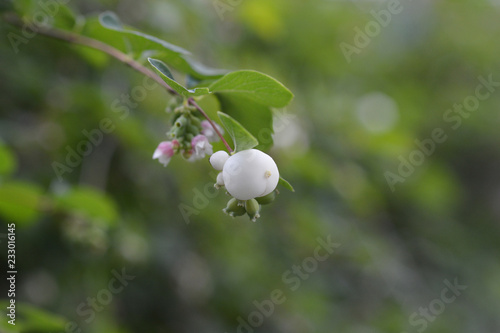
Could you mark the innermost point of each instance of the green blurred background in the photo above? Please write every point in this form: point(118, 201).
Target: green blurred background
point(349, 124)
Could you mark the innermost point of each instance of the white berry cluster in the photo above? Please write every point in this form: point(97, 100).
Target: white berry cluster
point(250, 176)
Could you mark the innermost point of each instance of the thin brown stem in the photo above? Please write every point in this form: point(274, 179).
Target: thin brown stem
point(95, 44)
point(115, 53)
point(204, 114)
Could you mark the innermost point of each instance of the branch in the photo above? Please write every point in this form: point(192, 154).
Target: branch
point(95, 44)
point(115, 53)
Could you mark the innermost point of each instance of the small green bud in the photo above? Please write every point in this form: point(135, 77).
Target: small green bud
point(193, 129)
point(252, 207)
point(177, 131)
point(195, 121)
point(267, 199)
point(234, 208)
point(180, 122)
point(179, 109)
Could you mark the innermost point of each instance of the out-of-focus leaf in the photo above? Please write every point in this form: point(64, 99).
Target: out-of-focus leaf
point(140, 42)
point(23, 7)
point(111, 21)
point(31, 319)
point(64, 18)
point(20, 202)
point(255, 86)
point(8, 162)
point(242, 138)
point(54, 13)
point(90, 203)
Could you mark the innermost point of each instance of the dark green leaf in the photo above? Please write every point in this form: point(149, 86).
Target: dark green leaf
point(286, 184)
point(242, 138)
point(254, 86)
point(258, 118)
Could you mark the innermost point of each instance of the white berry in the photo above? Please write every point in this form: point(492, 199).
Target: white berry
point(218, 159)
point(250, 174)
point(220, 179)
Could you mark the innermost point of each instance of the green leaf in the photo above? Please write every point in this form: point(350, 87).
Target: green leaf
point(31, 319)
point(242, 138)
point(258, 118)
point(111, 21)
point(90, 203)
point(286, 184)
point(255, 86)
point(138, 43)
point(55, 14)
point(169, 79)
point(20, 202)
point(64, 18)
point(8, 163)
point(167, 76)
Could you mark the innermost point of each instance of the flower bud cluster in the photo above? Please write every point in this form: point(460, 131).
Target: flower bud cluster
point(189, 136)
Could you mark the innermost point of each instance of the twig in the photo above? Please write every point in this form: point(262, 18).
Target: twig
point(115, 53)
point(193, 103)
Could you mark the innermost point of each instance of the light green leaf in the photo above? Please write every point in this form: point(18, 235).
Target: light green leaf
point(169, 79)
point(8, 162)
point(64, 18)
point(20, 201)
point(32, 319)
point(253, 85)
point(90, 203)
point(242, 138)
point(286, 184)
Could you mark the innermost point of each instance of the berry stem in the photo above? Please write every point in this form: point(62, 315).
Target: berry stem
point(204, 114)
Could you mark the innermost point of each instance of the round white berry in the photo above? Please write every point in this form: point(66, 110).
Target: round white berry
point(220, 179)
point(250, 174)
point(218, 159)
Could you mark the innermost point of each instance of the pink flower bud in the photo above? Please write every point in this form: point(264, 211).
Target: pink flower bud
point(200, 147)
point(208, 131)
point(165, 151)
